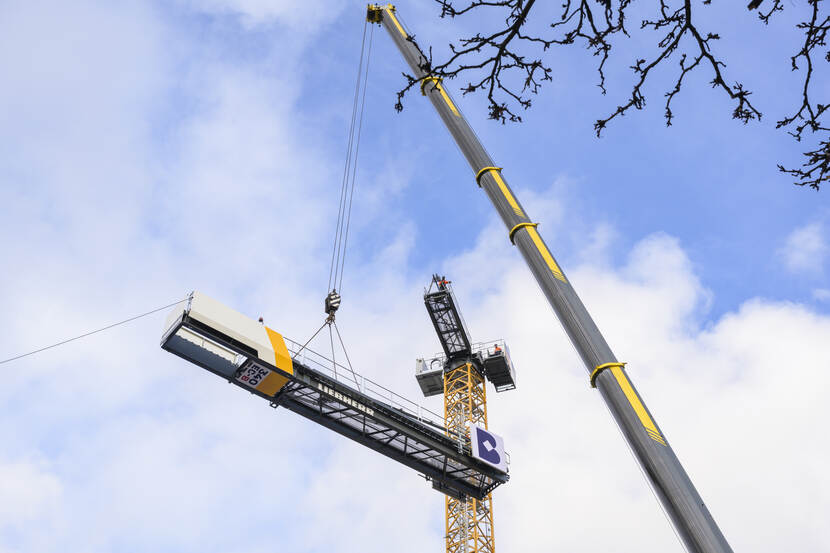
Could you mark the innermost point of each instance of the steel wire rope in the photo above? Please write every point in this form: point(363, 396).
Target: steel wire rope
point(346, 353)
point(356, 153)
point(333, 359)
point(347, 188)
point(113, 325)
point(310, 339)
point(338, 232)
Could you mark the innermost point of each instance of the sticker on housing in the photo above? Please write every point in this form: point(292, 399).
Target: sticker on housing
point(253, 375)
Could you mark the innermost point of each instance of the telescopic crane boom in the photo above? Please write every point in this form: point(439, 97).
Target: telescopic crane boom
point(681, 501)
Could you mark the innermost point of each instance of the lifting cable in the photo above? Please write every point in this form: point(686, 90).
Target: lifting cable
point(344, 208)
point(347, 186)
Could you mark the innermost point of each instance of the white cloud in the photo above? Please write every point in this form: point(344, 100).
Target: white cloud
point(724, 392)
point(821, 294)
point(156, 454)
point(805, 249)
point(724, 395)
point(28, 492)
point(301, 17)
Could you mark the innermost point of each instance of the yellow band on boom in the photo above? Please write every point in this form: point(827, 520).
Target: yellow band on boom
point(515, 229)
point(600, 368)
point(438, 86)
point(436, 80)
point(484, 170)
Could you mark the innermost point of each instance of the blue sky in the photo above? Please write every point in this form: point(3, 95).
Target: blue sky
point(708, 180)
point(152, 148)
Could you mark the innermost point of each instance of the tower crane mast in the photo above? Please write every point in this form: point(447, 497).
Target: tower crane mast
point(460, 373)
point(692, 521)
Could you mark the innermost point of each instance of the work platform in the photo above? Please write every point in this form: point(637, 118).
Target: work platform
point(254, 357)
point(498, 366)
point(491, 359)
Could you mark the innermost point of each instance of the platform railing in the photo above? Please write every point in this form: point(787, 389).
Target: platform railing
point(366, 386)
point(436, 362)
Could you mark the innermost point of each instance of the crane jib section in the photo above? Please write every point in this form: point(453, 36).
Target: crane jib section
point(256, 358)
point(694, 524)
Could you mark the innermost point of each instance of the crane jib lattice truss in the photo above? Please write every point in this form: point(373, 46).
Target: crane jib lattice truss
point(257, 359)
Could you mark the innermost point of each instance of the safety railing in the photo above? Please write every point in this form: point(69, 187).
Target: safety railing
point(436, 362)
point(366, 386)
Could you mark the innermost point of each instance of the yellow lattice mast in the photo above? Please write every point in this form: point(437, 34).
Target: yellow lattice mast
point(461, 374)
point(469, 522)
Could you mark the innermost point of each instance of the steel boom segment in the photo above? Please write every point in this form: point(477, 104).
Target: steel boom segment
point(694, 524)
point(257, 359)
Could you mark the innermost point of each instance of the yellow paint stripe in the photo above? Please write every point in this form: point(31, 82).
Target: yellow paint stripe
point(282, 359)
point(635, 402)
point(447, 99)
point(507, 195)
point(436, 84)
point(537, 240)
point(272, 384)
point(390, 11)
point(657, 438)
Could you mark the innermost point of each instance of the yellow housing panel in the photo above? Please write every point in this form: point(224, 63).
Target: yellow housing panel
point(282, 359)
point(272, 384)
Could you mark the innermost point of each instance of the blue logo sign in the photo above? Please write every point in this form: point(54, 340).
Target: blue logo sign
point(487, 446)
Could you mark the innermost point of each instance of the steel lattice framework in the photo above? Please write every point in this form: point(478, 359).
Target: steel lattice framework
point(469, 522)
point(447, 321)
point(219, 339)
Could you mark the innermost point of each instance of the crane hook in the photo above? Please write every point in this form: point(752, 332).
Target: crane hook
point(332, 304)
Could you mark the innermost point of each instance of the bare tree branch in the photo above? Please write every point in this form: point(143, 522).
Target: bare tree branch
point(765, 16)
point(508, 63)
point(808, 117)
